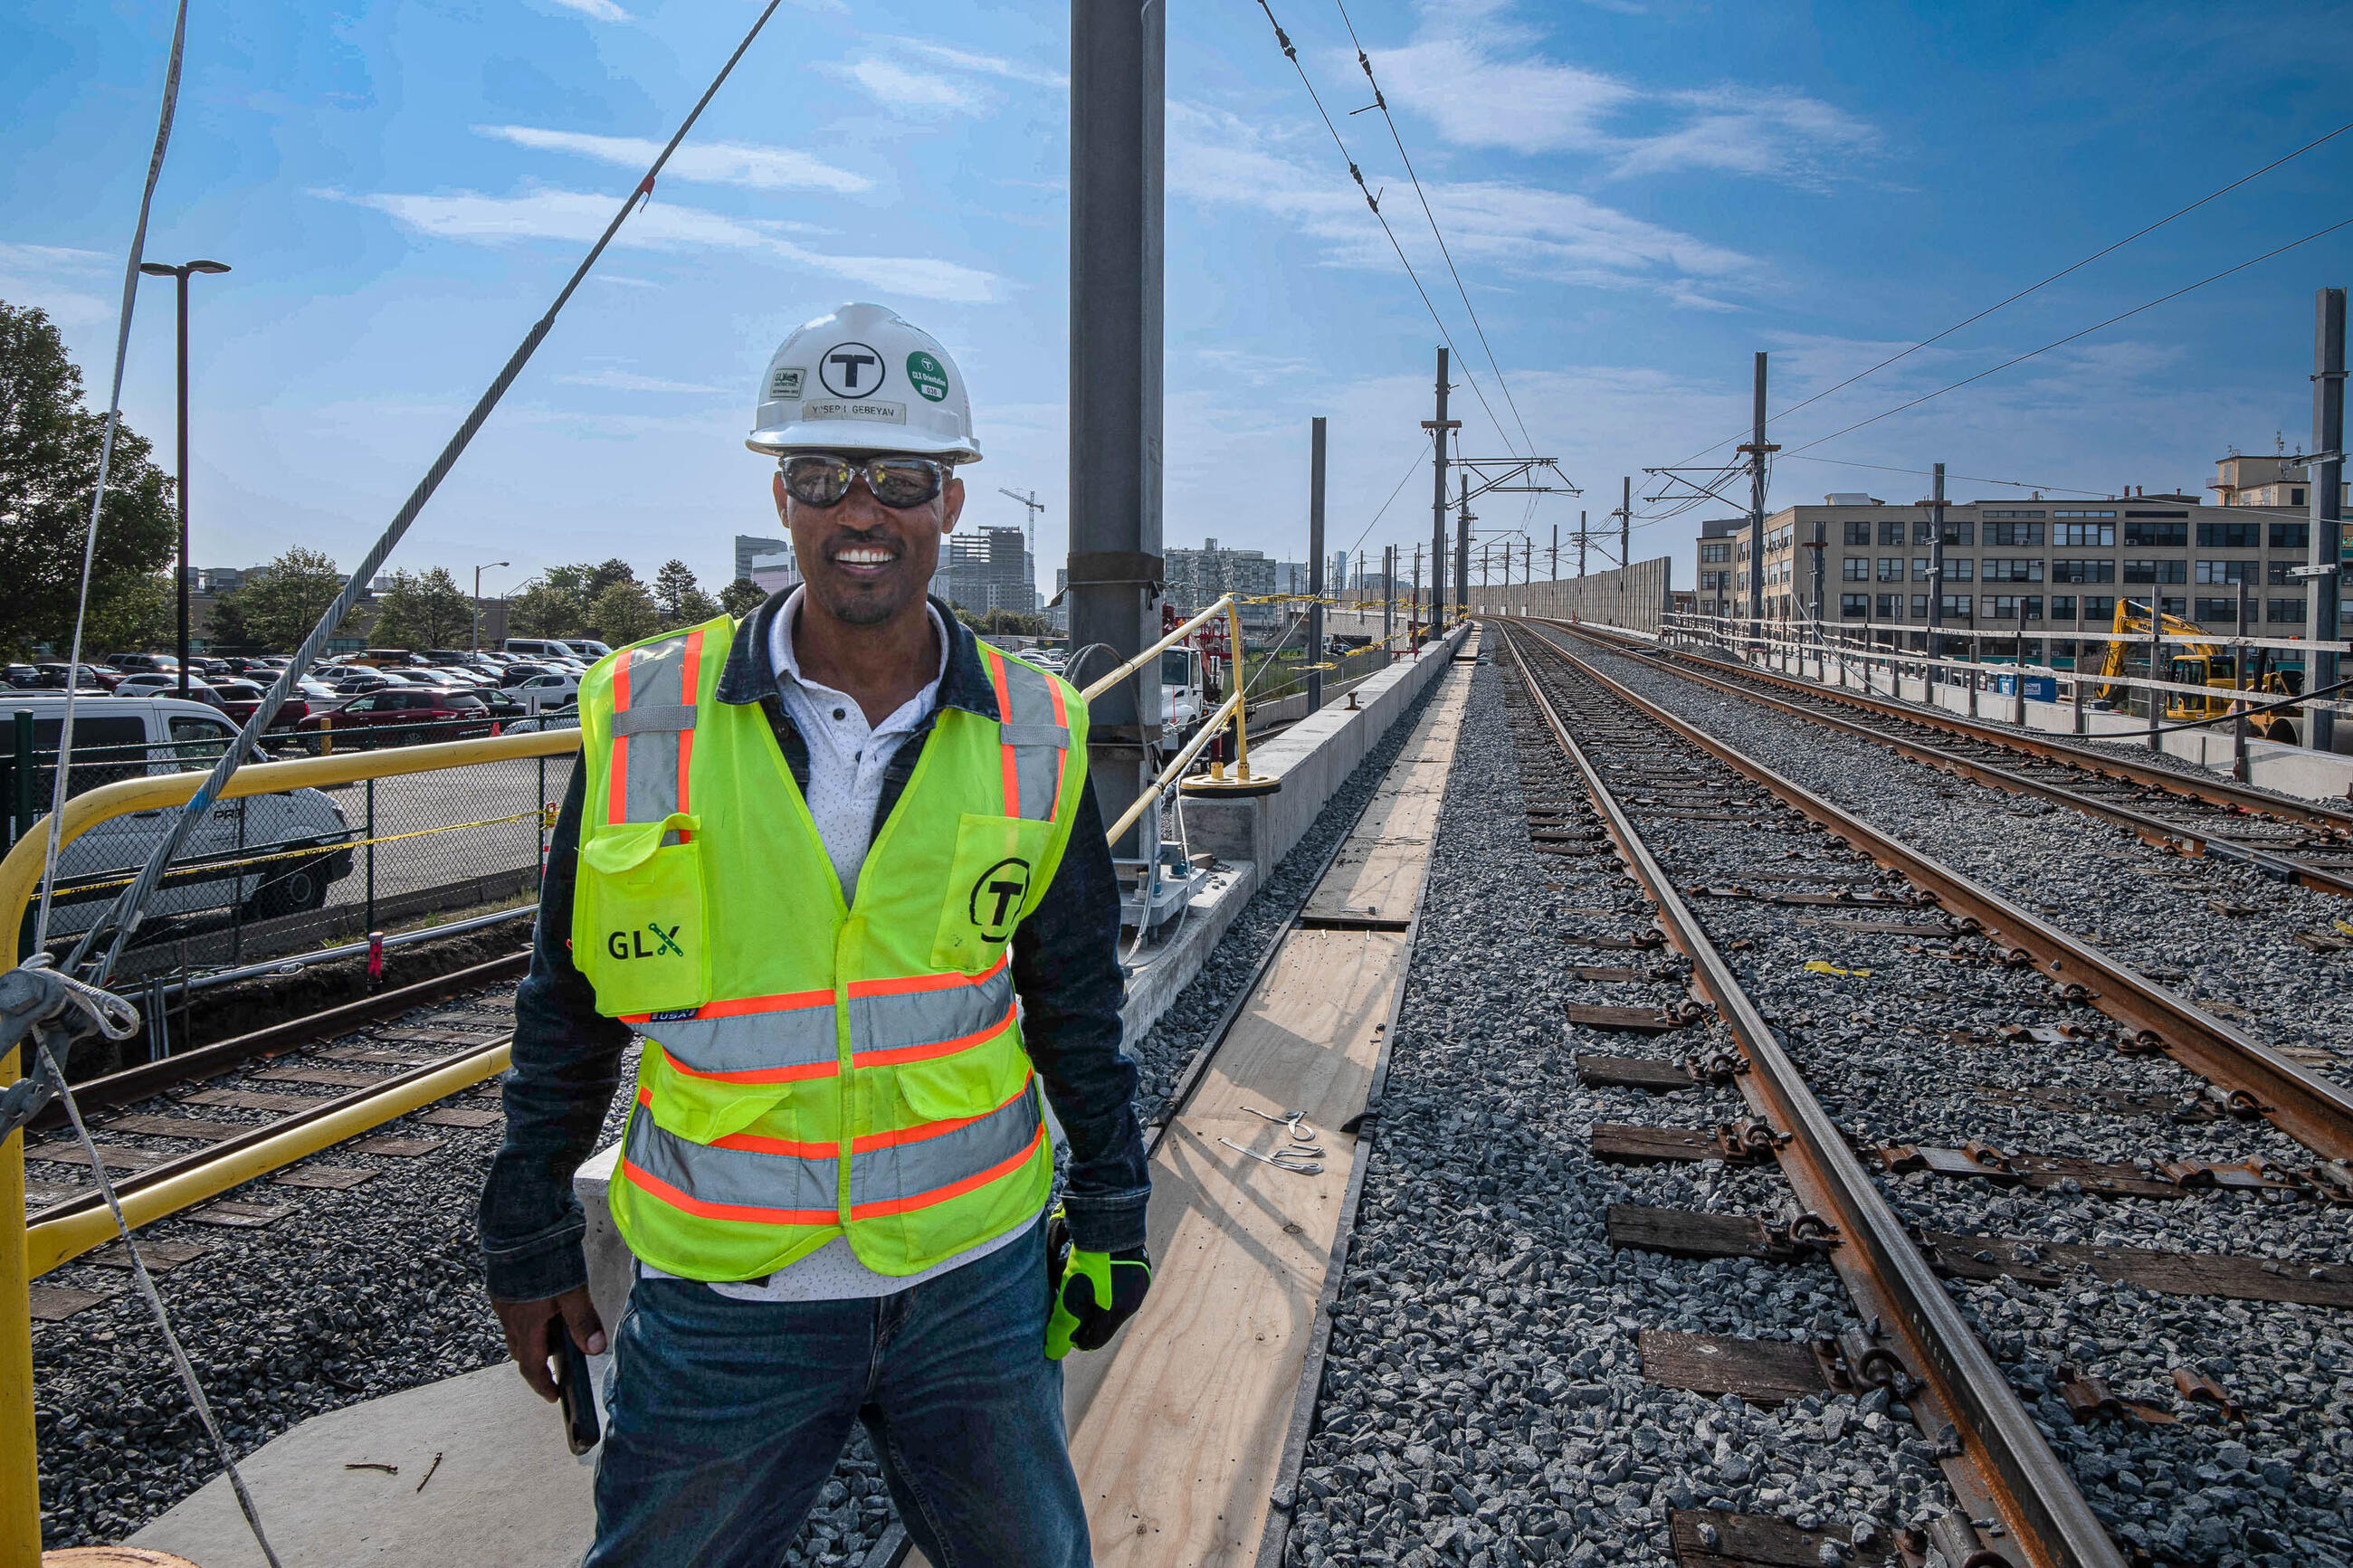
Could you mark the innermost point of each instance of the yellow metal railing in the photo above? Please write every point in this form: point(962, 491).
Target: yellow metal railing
point(1229, 607)
point(20, 1258)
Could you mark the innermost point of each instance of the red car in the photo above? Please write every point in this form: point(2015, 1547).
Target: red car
point(396, 716)
point(238, 699)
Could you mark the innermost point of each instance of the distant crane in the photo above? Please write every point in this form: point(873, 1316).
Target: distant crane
point(1035, 505)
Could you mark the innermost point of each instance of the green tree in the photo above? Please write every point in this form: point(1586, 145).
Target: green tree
point(741, 597)
point(423, 609)
point(624, 613)
point(225, 627)
point(48, 466)
point(132, 610)
point(282, 601)
point(673, 584)
point(545, 609)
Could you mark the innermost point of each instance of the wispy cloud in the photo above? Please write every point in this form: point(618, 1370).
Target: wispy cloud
point(983, 65)
point(596, 10)
point(56, 278)
point(1483, 81)
point(918, 78)
point(630, 381)
point(580, 217)
point(758, 167)
point(1513, 227)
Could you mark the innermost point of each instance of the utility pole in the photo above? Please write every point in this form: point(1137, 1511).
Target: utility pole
point(1413, 619)
point(1462, 521)
point(1626, 523)
point(1555, 552)
point(1580, 544)
point(1316, 571)
point(1117, 165)
point(1438, 428)
point(1758, 449)
point(1528, 561)
point(1820, 545)
point(1936, 569)
point(2323, 617)
point(1388, 599)
point(181, 272)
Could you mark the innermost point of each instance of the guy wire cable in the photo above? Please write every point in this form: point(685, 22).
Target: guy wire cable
point(1291, 52)
point(131, 902)
point(130, 906)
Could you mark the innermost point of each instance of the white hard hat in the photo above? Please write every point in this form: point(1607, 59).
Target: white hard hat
point(863, 380)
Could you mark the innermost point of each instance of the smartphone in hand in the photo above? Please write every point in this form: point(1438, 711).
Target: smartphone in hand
point(573, 1395)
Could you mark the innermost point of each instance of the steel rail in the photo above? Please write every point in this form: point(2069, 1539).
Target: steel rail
point(79, 1224)
point(2316, 1111)
point(2279, 867)
point(2214, 790)
point(2015, 1470)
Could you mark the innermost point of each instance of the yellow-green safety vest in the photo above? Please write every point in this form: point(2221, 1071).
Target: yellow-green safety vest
point(813, 1069)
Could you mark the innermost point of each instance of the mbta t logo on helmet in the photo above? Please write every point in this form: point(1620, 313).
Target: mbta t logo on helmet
point(853, 369)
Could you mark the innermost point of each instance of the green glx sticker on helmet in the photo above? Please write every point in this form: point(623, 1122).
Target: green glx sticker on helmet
point(929, 376)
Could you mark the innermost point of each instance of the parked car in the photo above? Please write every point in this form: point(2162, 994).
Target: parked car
point(150, 683)
point(565, 718)
point(129, 663)
point(24, 676)
point(220, 866)
point(214, 668)
point(404, 716)
point(238, 699)
point(552, 690)
point(545, 647)
point(54, 676)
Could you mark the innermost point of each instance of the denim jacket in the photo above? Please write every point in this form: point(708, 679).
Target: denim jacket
point(567, 1056)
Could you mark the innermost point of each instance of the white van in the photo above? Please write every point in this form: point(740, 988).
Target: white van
point(117, 738)
point(586, 650)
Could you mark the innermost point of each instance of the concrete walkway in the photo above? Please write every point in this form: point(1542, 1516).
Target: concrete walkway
point(507, 1490)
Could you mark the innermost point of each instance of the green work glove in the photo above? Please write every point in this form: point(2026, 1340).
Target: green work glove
point(1094, 1293)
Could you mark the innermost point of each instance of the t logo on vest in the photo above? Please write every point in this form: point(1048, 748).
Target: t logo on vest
point(996, 898)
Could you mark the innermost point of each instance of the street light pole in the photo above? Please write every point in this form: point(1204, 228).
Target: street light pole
point(477, 599)
point(181, 272)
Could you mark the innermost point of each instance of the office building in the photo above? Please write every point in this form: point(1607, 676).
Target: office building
point(747, 545)
point(1196, 579)
point(987, 569)
point(771, 568)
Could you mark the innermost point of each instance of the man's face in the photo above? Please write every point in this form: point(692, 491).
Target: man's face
point(866, 563)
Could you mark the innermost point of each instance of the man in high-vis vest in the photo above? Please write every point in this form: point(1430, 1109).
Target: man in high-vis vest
point(837, 871)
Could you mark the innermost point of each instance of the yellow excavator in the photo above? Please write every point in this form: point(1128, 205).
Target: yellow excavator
point(2201, 661)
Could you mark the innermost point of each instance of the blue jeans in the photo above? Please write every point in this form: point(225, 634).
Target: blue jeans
point(726, 1418)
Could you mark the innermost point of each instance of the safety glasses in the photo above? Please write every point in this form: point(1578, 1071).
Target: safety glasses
point(822, 479)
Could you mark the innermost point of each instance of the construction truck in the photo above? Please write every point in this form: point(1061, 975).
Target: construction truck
point(2202, 661)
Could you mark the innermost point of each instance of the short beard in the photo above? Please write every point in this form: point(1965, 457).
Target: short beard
point(857, 610)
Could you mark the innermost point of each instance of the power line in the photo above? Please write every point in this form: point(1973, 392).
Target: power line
point(1414, 469)
point(1381, 102)
point(1973, 479)
point(1291, 52)
point(2063, 273)
point(2071, 337)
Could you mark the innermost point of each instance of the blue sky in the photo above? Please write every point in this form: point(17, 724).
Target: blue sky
point(1638, 193)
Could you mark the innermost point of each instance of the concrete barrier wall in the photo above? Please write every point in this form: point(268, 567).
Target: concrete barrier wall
point(1632, 597)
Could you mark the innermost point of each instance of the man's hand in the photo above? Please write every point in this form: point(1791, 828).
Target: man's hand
point(1100, 1292)
point(526, 1325)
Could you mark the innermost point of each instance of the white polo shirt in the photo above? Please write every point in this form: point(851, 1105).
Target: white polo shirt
point(848, 758)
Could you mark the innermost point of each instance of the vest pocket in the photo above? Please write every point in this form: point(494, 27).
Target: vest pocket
point(640, 932)
point(969, 1083)
point(991, 884)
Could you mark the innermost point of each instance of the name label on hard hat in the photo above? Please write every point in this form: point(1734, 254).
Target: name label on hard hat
point(878, 413)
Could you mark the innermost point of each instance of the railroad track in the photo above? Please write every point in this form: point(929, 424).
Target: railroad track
point(174, 1133)
point(2301, 843)
point(1988, 1231)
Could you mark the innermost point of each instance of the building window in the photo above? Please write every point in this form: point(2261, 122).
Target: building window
point(2096, 535)
point(1960, 532)
point(2163, 535)
point(2083, 571)
point(2001, 511)
point(1858, 533)
point(2002, 607)
point(2291, 536)
point(1919, 568)
point(1891, 568)
point(2013, 570)
point(2063, 607)
point(2218, 610)
point(2288, 610)
point(2099, 608)
point(1891, 532)
point(2227, 571)
point(1919, 607)
point(1960, 569)
point(2078, 512)
point(2012, 533)
point(2030, 608)
point(1957, 606)
point(2157, 571)
point(1855, 569)
point(2230, 536)
point(1719, 551)
point(1854, 606)
point(1891, 606)
point(2295, 496)
point(2173, 606)
point(1923, 531)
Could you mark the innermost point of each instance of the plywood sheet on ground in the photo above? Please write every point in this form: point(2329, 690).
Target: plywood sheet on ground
point(1378, 871)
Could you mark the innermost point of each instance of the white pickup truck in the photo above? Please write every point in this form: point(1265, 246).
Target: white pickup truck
point(119, 738)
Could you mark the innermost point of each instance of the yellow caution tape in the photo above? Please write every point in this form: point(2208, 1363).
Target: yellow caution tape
point(1818, 966)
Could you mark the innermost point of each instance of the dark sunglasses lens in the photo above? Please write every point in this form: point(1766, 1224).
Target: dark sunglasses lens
point(817, 482)
point(903, 483)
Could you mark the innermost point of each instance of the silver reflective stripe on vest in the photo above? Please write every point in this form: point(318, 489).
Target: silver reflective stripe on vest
point(778, 1188)
point(648, 774)
point(949, 1012)
point(1038, 739)
point(737, 1172)
point(728, 1039)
